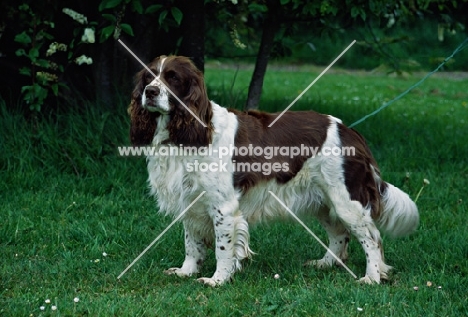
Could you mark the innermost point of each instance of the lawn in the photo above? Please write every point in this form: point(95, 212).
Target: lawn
point(75, 214)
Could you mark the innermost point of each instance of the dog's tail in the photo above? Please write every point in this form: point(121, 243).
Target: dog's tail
point(399, 214)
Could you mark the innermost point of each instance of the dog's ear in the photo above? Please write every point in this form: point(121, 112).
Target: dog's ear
point(184, 128)
point(142, 122)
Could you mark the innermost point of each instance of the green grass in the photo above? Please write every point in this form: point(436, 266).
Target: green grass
point(67, 197)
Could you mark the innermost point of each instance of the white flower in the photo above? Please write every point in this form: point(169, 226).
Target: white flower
point(83, 59)
point(235, 38)
point(88, 36)
point(391, 20)
point(76, 299)
point(53, 307)
point(54, 47)
point(47, 76)
point(104, 254)
point(47, 301)
point(276, 276)
point(426, 182)
point(360, 309)
point(42, 308)
point(75, 16)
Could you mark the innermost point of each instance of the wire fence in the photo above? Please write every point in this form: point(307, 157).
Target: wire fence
point(462, 46)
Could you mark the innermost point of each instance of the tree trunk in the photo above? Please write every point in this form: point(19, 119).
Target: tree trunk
point(103, 72)
point(270, 27)
point(193, 28)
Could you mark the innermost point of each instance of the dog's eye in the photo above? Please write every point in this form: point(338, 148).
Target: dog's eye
point(148, 77)
point(172, 76)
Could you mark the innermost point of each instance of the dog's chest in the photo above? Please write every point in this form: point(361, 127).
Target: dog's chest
point(174, 170)
point(178, 175)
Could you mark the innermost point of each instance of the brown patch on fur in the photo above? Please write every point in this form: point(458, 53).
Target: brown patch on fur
point(142, 124)
point(359, 178)
point(190, 87)
point(293, 129)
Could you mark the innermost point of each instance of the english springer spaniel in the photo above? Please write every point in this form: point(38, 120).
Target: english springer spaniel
point(299, 159)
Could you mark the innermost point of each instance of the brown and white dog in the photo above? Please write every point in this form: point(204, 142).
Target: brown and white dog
point(345, 192)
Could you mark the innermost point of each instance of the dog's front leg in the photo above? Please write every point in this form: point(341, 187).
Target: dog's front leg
point(195, 252)
point(224, 221)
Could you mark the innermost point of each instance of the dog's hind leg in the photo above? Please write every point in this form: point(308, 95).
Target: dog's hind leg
point(358, 221)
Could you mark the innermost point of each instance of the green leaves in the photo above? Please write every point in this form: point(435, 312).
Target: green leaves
point(153, 8)
point(177, 15)
point(162, 16)
point(127, 29)
point(25, 71)
point(55, 89)
point(33, 53)
point(137, 6)
point(109, 4)
point(21, 52)
point(34, 95)
point(358, 11)
point(106, 33)
point(23, 38)
point(41, 67)
point(109, 17)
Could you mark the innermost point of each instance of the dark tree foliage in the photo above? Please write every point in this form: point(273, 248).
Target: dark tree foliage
point(149, 28)
point(49, 57)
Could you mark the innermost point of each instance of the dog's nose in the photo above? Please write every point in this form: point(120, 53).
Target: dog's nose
point(152, 91)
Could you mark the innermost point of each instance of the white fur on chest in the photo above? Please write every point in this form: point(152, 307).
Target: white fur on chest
point(176, 180)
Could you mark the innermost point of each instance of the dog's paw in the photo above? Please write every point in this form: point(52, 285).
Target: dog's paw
point(178, 271)
point(368, 280)
point(208, 281)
